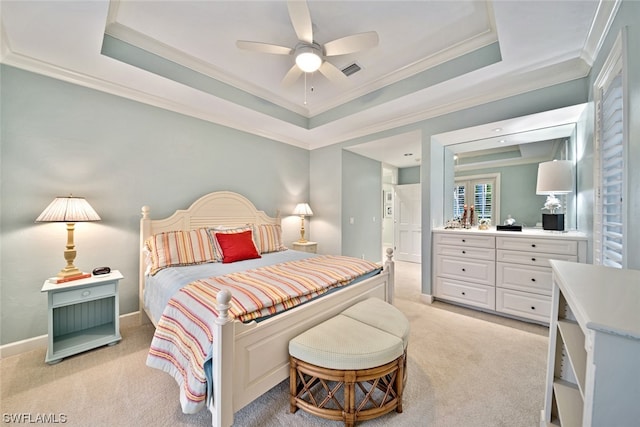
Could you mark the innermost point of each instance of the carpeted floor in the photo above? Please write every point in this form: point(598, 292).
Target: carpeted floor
point(466, 368)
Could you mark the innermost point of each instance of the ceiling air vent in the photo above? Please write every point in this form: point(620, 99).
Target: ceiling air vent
point(351, 69)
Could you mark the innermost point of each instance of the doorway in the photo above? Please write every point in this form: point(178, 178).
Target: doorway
point(408, 225)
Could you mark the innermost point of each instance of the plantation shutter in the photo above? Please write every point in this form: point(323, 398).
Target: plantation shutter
point(609, 220)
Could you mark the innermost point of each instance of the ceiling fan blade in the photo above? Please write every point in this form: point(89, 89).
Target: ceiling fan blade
point(292, 75)
point(264, 47)
point(301, 20)
point(332, 72)
point(350, 44)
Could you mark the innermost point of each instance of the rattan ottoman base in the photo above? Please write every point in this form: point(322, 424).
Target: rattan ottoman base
point(348, 395)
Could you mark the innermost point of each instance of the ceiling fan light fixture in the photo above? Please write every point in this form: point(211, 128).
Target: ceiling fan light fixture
point(308, 58)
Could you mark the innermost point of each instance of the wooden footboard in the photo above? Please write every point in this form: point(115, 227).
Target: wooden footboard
point(252, 358)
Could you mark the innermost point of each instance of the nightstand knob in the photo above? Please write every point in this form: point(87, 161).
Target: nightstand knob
point(86, 293)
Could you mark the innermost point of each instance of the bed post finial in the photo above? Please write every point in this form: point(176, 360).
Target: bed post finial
point(145, 212)
point(389, 254)
point(222, 305)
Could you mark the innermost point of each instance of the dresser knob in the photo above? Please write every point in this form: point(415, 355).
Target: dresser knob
point(533, 259)
point(463, 293)
point(533, 245)
point(464, 252)
point(533, 308)
point(533, 279)
point(463, 240)
point(464, 269)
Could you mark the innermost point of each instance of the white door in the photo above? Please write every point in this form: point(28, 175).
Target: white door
point(408, 223)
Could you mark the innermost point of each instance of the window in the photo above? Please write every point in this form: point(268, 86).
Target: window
point(480, 191)
point(610, 146)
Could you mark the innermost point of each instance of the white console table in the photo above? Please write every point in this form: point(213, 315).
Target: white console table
point(593, 372)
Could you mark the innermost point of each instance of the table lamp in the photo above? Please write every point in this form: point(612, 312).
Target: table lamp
point(303, 210)
point(70, 210)
point(554, 177)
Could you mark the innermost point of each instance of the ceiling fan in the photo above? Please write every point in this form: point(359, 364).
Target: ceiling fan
point(309, 55)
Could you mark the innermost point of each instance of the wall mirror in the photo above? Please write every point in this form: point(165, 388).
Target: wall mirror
point(511, 159)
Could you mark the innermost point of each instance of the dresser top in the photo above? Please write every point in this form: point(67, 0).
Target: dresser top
point(602, 298)
point(526, 232)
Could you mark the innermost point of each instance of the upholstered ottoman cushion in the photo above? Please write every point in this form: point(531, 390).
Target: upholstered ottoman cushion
point(381, 315)
point(345, 343)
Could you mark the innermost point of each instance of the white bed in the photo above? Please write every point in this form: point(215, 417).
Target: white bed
point(251, 358)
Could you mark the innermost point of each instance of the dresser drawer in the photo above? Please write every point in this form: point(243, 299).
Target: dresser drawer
point(524, 278)
point(466, 293)
point(464, 252)
point(531, 258)
point(465, 240)
point(529, 306)
point(472, 270)
point(546, 246)
point(83, 294)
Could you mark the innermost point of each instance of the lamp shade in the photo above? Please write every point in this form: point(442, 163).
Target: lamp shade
point(68, 209)
point(555, 177)
point(303, 209)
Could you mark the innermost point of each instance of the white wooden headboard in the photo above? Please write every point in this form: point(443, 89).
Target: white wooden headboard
point(213, 209)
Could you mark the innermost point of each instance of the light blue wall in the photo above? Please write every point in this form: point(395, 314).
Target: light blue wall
point(409, 175)
point(58, 138)
point(362, 202)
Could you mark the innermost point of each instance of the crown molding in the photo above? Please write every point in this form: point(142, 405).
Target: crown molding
point(524, 82)
point(605, 14)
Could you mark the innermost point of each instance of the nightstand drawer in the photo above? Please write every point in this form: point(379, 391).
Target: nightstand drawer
point(83, 294)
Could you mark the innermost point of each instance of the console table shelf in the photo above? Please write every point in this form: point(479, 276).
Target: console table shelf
point(594, 347)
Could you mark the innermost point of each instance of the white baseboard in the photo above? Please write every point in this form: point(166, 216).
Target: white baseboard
point(426, 298)
point(19, 347)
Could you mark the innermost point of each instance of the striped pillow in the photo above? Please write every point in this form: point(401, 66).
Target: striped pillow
point(175, 248)
point(270, 238)
point(217, 250)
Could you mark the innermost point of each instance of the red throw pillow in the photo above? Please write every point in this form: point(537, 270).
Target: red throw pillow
point(237, 246)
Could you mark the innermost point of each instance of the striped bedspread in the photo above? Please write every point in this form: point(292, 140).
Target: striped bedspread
point(182, 343)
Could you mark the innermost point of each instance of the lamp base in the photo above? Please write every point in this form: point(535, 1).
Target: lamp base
point(68, 272)
point(553, 222)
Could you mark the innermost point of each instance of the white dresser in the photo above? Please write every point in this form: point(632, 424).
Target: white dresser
point(593, 371)
point(502, 271)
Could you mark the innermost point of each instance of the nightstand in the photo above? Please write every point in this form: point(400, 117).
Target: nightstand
point(311, 247)
point(83, 314)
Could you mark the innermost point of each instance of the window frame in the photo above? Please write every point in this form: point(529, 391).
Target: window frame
point(471, 180)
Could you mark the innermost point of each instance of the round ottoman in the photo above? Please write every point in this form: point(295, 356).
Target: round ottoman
point(351, 367)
